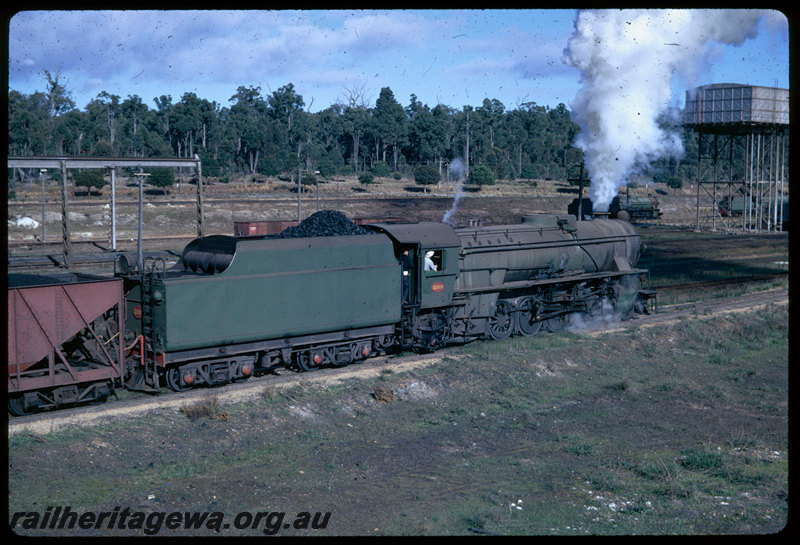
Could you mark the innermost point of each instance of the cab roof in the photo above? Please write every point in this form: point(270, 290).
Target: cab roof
point(427, 234)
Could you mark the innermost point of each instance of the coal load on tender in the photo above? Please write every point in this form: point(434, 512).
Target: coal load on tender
point(325, 223)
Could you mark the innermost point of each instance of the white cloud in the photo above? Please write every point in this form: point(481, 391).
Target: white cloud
point(450, 56)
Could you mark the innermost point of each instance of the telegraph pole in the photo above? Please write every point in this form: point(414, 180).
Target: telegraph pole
point(140, 182)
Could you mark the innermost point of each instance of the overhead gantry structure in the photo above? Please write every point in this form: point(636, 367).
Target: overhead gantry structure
point(111, 164)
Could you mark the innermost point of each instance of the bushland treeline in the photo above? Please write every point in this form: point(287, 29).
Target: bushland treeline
point(276, 134)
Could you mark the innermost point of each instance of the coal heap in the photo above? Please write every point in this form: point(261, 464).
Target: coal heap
point(325, 223)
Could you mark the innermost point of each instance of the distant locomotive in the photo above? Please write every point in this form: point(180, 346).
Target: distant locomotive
point(236, 306)
point(625, 207)
point(635, 207)
point(733, 206)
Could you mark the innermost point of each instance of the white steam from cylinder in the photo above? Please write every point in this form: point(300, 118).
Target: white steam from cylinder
point(627, 60)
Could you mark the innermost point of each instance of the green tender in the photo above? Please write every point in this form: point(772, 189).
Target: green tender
point(280, 288)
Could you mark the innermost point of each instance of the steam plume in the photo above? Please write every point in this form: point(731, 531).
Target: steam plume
point(627, 59)
point(457, 174)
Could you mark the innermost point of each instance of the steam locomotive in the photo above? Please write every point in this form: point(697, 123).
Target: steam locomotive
point(233, 306)
point(627, 207)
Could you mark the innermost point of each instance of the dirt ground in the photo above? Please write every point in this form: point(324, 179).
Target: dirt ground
point(175, 213)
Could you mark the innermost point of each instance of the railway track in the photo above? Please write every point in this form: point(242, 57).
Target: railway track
point(722, 282)
point(257, 387)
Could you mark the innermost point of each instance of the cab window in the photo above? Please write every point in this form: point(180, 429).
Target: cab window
point(433, 261)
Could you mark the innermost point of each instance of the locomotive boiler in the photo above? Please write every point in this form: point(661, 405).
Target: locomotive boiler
point(518, 278)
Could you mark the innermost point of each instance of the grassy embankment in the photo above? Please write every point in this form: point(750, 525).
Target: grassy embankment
point(677, 430)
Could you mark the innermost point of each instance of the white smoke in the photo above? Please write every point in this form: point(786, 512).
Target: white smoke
point(456, 173)
point(627, 60)
point(602, 318)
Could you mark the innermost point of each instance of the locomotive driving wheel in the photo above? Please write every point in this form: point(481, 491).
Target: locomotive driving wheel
point(556, 323)
point(527, 317)
point(595, 306)
point(501, 323)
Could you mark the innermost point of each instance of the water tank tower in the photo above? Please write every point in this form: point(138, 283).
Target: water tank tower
point(742, 136)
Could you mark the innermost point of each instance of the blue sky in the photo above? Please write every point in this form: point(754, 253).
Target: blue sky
point(454, 57)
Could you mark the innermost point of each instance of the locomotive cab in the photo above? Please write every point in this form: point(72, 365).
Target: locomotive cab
point(430, 286)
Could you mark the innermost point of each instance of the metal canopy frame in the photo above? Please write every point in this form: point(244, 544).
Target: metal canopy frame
point(112, 163)
point(760, 183)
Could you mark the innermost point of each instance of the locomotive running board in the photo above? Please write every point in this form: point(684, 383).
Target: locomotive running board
point(522, 284)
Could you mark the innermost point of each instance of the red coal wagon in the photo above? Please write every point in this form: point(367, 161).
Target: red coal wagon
point(64, 344)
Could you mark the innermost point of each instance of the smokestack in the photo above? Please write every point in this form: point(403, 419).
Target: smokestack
point(627, 59)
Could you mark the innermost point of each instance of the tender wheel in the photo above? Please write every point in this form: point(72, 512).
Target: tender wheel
point(527, 321)
point(16, 407)
point(173, 379)
point(501, 323)
point(384, 342)
point(305, 361)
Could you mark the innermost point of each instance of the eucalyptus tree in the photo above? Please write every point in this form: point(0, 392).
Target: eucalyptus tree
point(162, 114)
point(248, 125)
point(330, 126)
point(427, 133)
point(192, 119)
point(516, 136)
point(312, 150)
point(356, 118)
point(33, 119)
point(28, 124)
point(327, 140)
point(527, 124)
point(223, 148)
point(285, 104)
point(390, 126)
point(106, 111)
point(291, 122)
point(488, 119)
point(59, 103)
point(561, 133)
point(492, 145)
point(59, 100)
point(444, 121)
point(462, 136)
point(70, 134)
point(132, 134)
